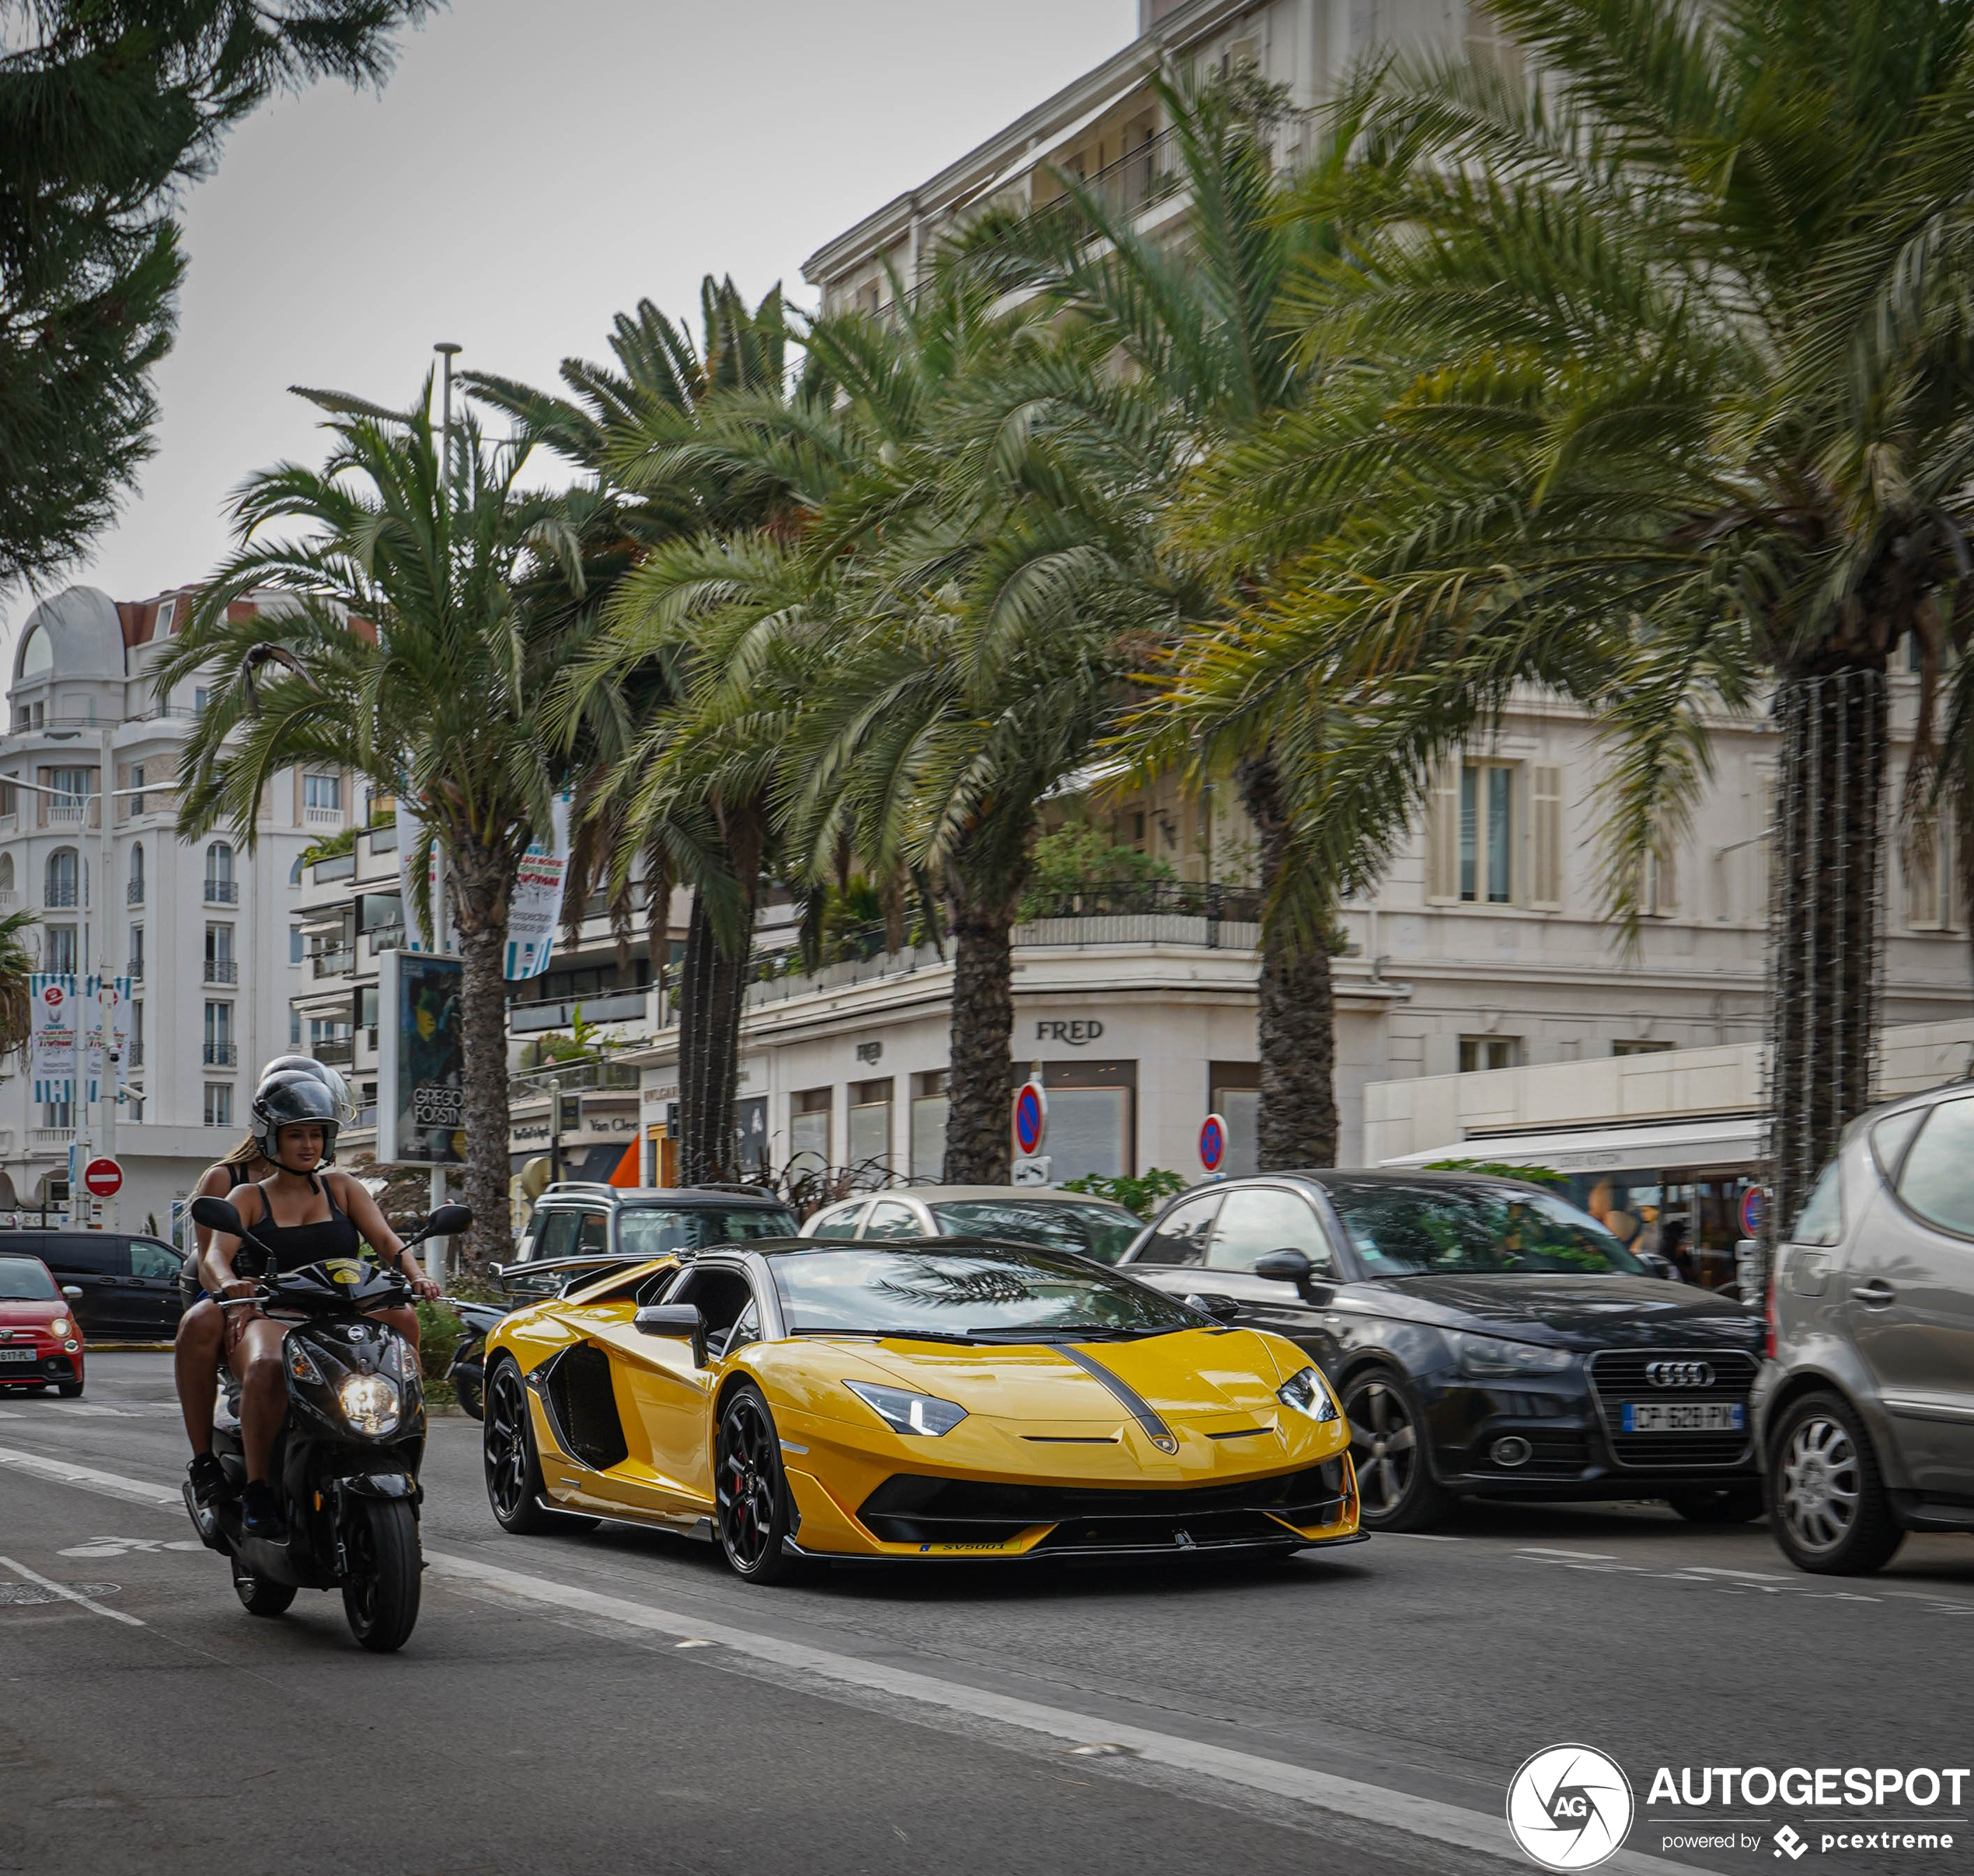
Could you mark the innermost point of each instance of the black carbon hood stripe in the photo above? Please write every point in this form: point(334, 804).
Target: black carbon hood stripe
point(1128, 1397)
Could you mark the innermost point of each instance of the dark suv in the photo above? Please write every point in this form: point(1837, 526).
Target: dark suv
point(129, 1282)
point(1486, 1338)
point(577, 1227)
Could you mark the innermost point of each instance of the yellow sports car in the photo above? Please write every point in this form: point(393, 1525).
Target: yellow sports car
point(912, 1399)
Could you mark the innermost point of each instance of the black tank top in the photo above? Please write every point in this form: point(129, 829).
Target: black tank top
point(294, 1246)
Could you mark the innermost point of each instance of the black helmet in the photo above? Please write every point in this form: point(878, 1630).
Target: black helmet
point(291, 1098)
point(346, 1107)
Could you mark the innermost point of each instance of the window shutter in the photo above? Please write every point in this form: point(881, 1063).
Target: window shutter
point(1665, 885)
point(1546, 828)
point(1443, 834)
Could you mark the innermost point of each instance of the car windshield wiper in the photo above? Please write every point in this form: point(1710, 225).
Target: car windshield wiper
point(903, 1335)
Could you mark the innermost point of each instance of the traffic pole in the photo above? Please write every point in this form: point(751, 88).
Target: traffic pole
point(436, 1248)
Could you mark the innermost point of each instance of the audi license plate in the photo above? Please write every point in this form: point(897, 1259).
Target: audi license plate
point(16, 1355)
point(1683, 1417)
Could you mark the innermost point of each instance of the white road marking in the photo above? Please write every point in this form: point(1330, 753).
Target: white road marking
point(119, 1547)
point(1418, 1817)
point(136, 1491)
point(1421, 1537)
point(1588, 1557)
point(68, 1594)
point(1750, 1576)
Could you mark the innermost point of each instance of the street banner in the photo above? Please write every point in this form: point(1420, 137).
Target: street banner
point(534, 907)
point(51, 1045)
point(420, 1060)
point(91, 1015)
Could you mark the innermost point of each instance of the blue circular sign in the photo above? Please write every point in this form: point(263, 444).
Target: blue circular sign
point(1030, 1118)
point(1213, 1142)
point(1754, 1208)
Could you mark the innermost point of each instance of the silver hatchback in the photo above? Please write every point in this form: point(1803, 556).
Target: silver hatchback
point(1866, 1406)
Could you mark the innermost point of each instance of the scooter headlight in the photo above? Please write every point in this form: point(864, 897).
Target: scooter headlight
point(369, 1402)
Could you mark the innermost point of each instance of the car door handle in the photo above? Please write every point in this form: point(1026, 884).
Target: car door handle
point(1874, 1295)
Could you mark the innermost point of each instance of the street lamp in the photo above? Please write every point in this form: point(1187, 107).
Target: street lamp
point(448, 351)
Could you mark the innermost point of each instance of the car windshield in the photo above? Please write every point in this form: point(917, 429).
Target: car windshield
point(26, 1279)
point(974, 1293)
point(1402, 1230)
point(659, 1231)
point(1091, 1229)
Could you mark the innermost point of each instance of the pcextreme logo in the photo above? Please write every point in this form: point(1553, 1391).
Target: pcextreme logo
point(1569, 1807)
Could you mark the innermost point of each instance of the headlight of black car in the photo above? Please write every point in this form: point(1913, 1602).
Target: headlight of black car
point(1492, 1356)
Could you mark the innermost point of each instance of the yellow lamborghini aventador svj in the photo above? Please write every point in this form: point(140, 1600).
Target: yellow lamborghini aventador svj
point(931, 1398)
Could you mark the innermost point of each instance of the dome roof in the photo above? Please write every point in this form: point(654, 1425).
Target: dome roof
point(81, 637)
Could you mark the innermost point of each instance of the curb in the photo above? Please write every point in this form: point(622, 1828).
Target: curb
point(95, 1348)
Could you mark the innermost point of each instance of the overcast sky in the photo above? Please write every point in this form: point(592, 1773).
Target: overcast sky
point(528, 170)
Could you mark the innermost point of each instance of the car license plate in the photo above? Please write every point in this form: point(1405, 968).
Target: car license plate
point(17, 1355)
point(1684, 1416)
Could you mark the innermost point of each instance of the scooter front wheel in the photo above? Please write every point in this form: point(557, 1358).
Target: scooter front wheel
point(260, 1596)
point(381, 1597)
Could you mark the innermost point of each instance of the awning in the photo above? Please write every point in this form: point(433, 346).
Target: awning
point(1736, 1142)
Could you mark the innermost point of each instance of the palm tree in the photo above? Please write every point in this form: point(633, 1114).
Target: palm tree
point(407, 650)
point(16, 966)
point(1633, 390)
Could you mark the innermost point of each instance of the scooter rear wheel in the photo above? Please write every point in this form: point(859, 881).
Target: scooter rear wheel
point(381, 1597)
point(260, 1596)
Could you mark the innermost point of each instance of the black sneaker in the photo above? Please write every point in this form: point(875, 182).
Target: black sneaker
point(210, 1484)
point(260, 1511)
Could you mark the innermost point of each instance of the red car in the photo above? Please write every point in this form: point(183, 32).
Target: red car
point(40, 1341)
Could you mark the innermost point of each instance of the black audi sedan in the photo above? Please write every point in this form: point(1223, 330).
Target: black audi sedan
point(1487, 1338)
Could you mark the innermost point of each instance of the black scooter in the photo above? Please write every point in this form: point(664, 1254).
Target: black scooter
point(468, 1371)
point(346, 1461)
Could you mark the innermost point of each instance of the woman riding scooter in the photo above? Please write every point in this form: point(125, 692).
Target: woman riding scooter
point(303, 1215)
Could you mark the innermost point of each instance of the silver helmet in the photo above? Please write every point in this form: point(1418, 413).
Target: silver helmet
point(331, 1079)
point(292, 1098)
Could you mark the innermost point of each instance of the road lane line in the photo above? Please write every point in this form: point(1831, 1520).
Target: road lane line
point(68, 1594)
point(114, 1485)
point(1377, 1804)
point(1588, 1557)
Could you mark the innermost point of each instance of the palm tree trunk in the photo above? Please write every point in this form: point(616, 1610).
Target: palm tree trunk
point(981, 1083)
point(1295, 1018)
point(711, 988)
point(484, 1034)
point(1824, 921)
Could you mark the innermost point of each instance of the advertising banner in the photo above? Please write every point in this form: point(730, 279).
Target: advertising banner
point(51, 1043)
point(420, 1060)
point(534, 908)
point(92, 1033)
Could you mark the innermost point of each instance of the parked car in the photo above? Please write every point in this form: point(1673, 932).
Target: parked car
point(128, 1282)
point(577, 1228)
point(41, 1345)
point(1023, 1215)
point(1485, 1337)
point(1866, 1406)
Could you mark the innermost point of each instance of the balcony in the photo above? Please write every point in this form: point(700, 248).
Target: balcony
point(57, 813)
point(9, 899)
point(337, 963)
point(222, 969)
point(323, 816)
point(385, 938)
point(133, 893)
point(597, 1006)
point(223, 1054)
point(60, 898)
point(134, 1056)
point(135, 970)
point(334, 1052)
point(51, 1139)
point(222, 892)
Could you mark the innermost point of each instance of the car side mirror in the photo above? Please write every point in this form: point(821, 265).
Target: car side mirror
point(1289, 1265)
point(218, 1214)
point(680, 1319)
point(71, 1292)
point(1656, 1265)
point(1221, 1308)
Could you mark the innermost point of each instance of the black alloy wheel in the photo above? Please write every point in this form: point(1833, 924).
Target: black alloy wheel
point(380, 1596)
point(750, 1494)
point(513, 1466)
point(1827, 1502)
point(1396, 1490)
point(260, 1596)
point(1725, 1504)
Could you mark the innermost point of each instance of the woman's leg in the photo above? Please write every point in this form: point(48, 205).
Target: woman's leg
point(256, 1359)
point(195, 1364)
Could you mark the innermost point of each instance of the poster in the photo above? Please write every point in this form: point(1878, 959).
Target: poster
point(534, 907)
point(420, 1060)
point(51, 1044)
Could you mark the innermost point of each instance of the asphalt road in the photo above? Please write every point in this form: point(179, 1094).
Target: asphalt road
point(616, 1701)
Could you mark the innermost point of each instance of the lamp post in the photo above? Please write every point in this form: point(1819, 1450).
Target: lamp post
point(436, 1250)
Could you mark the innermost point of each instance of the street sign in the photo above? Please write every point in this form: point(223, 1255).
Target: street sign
point(1213, 1143)
point(1754, 1208)
point(1030, 1119)
point(104, 1177)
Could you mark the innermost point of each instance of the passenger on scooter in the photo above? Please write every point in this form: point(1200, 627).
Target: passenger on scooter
point(302, 1215)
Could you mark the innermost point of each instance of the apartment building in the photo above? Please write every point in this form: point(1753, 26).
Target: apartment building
point(1485, 945)
point(87, 843)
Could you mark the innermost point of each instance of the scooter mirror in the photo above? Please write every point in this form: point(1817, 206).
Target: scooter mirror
point(449, 1221)
point(218, 1214)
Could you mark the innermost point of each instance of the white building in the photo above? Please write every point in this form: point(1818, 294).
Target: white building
point(1484, 947)
point(203, 927)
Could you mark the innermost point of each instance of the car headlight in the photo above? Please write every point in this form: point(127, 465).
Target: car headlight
point(1306, 1393)
point(369, 1402)
point(1491, 1355)
point(906, 1412)
point(61, 1326)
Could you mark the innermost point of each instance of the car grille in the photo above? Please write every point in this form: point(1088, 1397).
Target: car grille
point(1618, 1375)
point(911, 1508)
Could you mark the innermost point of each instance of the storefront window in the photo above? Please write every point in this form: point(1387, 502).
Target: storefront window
point(928, 1106)
point(1234, 1093)
point(1090, 1118)
point(808, 1126)
point(870, 1127)
point(751, 1124)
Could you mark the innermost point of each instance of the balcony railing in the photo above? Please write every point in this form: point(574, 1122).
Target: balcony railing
point(336, 1052)
point(135, 970)
point(67, 814)
point(8, 898)
point(334, 963)
point(134, 892)
point(58, 898)
point(222, 969)
point(51, 1139)
point(223, 1054)
point(222, 892)
point(385, 938)
point(323, 816)
point(134, 1055)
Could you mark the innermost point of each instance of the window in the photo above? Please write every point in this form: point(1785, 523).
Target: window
point(220, 1050)
point(1926, 858)
point(222, 967)
point(57, 1114)
point(219, 1103)
point(1181, 1235)
point(295, 1029)
point(1479, 1054)
point(37, 657)
point(1471, 833)
point(60, 951)
point(557, 1236)
point(1641, 1048)
point(1937, 1179)
point(150, 1258)
point(929, 1109)
point(1658, 879)
point(1821, 1221)
point(1255, 1220)
point(137, 951)
point(1486, 847)
point(322, 792)
point(6, 873)
point(134, 892)
point(136, 798)
point(870, 1122)
point(890, 1219)
point(593, 1235)
point(841, 1222)
point(64, 872)
point(808, 1123)
point(167, 610)
point(751, 1124)
point(1089, 1118)
point(1233, 1092)
point(72, 788)
point(201, 696)
point(135, 1056)
point(1546, 836)
point(221, 889)
point(296, 949)
point(1891, 1136)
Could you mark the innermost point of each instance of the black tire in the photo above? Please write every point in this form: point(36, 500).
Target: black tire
point(1726, 1504)
point(69, 1390)
point(752, 1507)
point(512, 1464)
point(260, 1596)
point(381, 1597)
point(467, 1393)
point(1396, 1490)
point(1827, 1501)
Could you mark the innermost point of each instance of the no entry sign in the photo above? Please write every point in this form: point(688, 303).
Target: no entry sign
point(104, 1177)
point(1030, 1118)
point(1213, 1142)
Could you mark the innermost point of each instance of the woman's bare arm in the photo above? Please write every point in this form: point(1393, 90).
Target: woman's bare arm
point(368, 1216)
